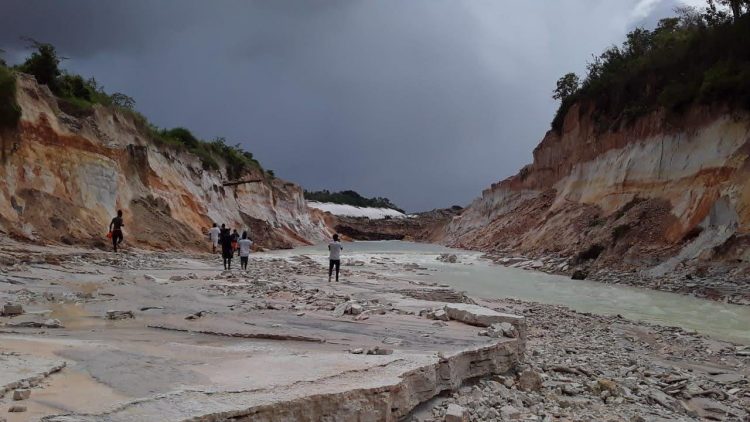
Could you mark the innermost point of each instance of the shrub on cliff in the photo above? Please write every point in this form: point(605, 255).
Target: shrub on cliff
point(9, 110)
point(236, 161)
point(695, 58)
point(43, 64)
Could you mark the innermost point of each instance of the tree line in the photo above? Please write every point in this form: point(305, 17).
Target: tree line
point(697, 56)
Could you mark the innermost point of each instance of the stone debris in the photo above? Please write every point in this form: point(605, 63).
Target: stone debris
point(530, 380)
point(583, 367)
point(509, 413)
point(448, 258)
point(149, 308)
point(479, 315)
point(196, 315)
point(502, 329)
point(116, 315)
point(21, 394)
point(17, 409)
point(377, 350)
point(12, 309)
point(49, 323)
point(456, 413)
point(341, 309)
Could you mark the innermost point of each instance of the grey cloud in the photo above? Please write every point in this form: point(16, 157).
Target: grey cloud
point(426, 102)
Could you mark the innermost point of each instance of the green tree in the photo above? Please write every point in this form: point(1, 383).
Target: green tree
point(121, 100)
point(566, 86)
point(43, 64)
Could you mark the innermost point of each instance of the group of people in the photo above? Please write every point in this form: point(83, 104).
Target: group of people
point(230, 242)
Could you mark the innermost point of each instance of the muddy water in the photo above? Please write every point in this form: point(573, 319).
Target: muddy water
point(479, 277)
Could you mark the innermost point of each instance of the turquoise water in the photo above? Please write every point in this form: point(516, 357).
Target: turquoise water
point(479, 277)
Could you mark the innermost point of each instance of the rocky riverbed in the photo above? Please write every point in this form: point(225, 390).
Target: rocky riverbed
point(583, 367)
point(171, 336)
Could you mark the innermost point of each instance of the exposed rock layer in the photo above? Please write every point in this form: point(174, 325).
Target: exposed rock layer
point(65, 176)
point(657, 194)
point(421, 227)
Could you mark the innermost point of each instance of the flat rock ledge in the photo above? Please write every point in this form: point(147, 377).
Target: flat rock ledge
point(400, 387)
point(24, 371)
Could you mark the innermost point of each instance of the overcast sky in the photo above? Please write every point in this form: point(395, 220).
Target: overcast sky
point(426, 102)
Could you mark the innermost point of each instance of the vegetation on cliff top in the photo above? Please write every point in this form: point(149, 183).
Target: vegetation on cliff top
point(77, 95)
point(350, 197)
point(9, 110)
point(697, 57)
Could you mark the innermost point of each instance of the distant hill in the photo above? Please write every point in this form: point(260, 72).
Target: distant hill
point(350, 197)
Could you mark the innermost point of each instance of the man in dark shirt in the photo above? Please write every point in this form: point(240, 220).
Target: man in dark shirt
point(225, 240)
point(115, 227)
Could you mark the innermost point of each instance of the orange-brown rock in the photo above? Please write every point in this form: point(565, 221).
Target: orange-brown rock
point(651, 194)
point(64, 177)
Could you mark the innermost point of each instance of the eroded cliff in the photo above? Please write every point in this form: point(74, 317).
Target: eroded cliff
point(658, 194)
point(64, 176)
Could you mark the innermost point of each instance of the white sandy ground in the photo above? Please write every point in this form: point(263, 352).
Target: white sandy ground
point(267, 342)
point(259, 344)
point(352, 211)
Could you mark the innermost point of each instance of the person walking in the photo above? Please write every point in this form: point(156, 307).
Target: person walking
point(235, 239)
point(115, 230)
point(213, 235)
point(334, 257)
point(244, 244)
point(225, 240)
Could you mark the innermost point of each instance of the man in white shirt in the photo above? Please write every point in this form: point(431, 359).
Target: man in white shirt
point(213, 234)
point(334, 257)
point(244, 244)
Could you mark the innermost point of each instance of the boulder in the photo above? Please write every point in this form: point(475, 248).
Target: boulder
point(440, 315)
point(12, 309)
point(456, 413)
point(605, 384)
point(21, 394)
point(479, 315)
point(579, 275)
point(115, 315)
point(503, 329)
point(17, 409)
point(530, 380)
point(379, 351)
point(52, 323)
point(341, 309)
point(448, 257)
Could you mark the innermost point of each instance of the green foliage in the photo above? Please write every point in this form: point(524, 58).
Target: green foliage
point(350, 197)
point(237, 161)
point(566, 86)
point(43, 64)
point(9, 110)
point(694, 58)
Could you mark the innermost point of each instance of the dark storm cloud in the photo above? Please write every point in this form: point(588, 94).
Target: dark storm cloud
point(426, 102)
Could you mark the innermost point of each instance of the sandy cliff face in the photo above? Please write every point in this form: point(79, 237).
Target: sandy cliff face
point(655, 194)
point(64, 177)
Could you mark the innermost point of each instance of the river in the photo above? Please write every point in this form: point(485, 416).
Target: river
point(480, 277)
